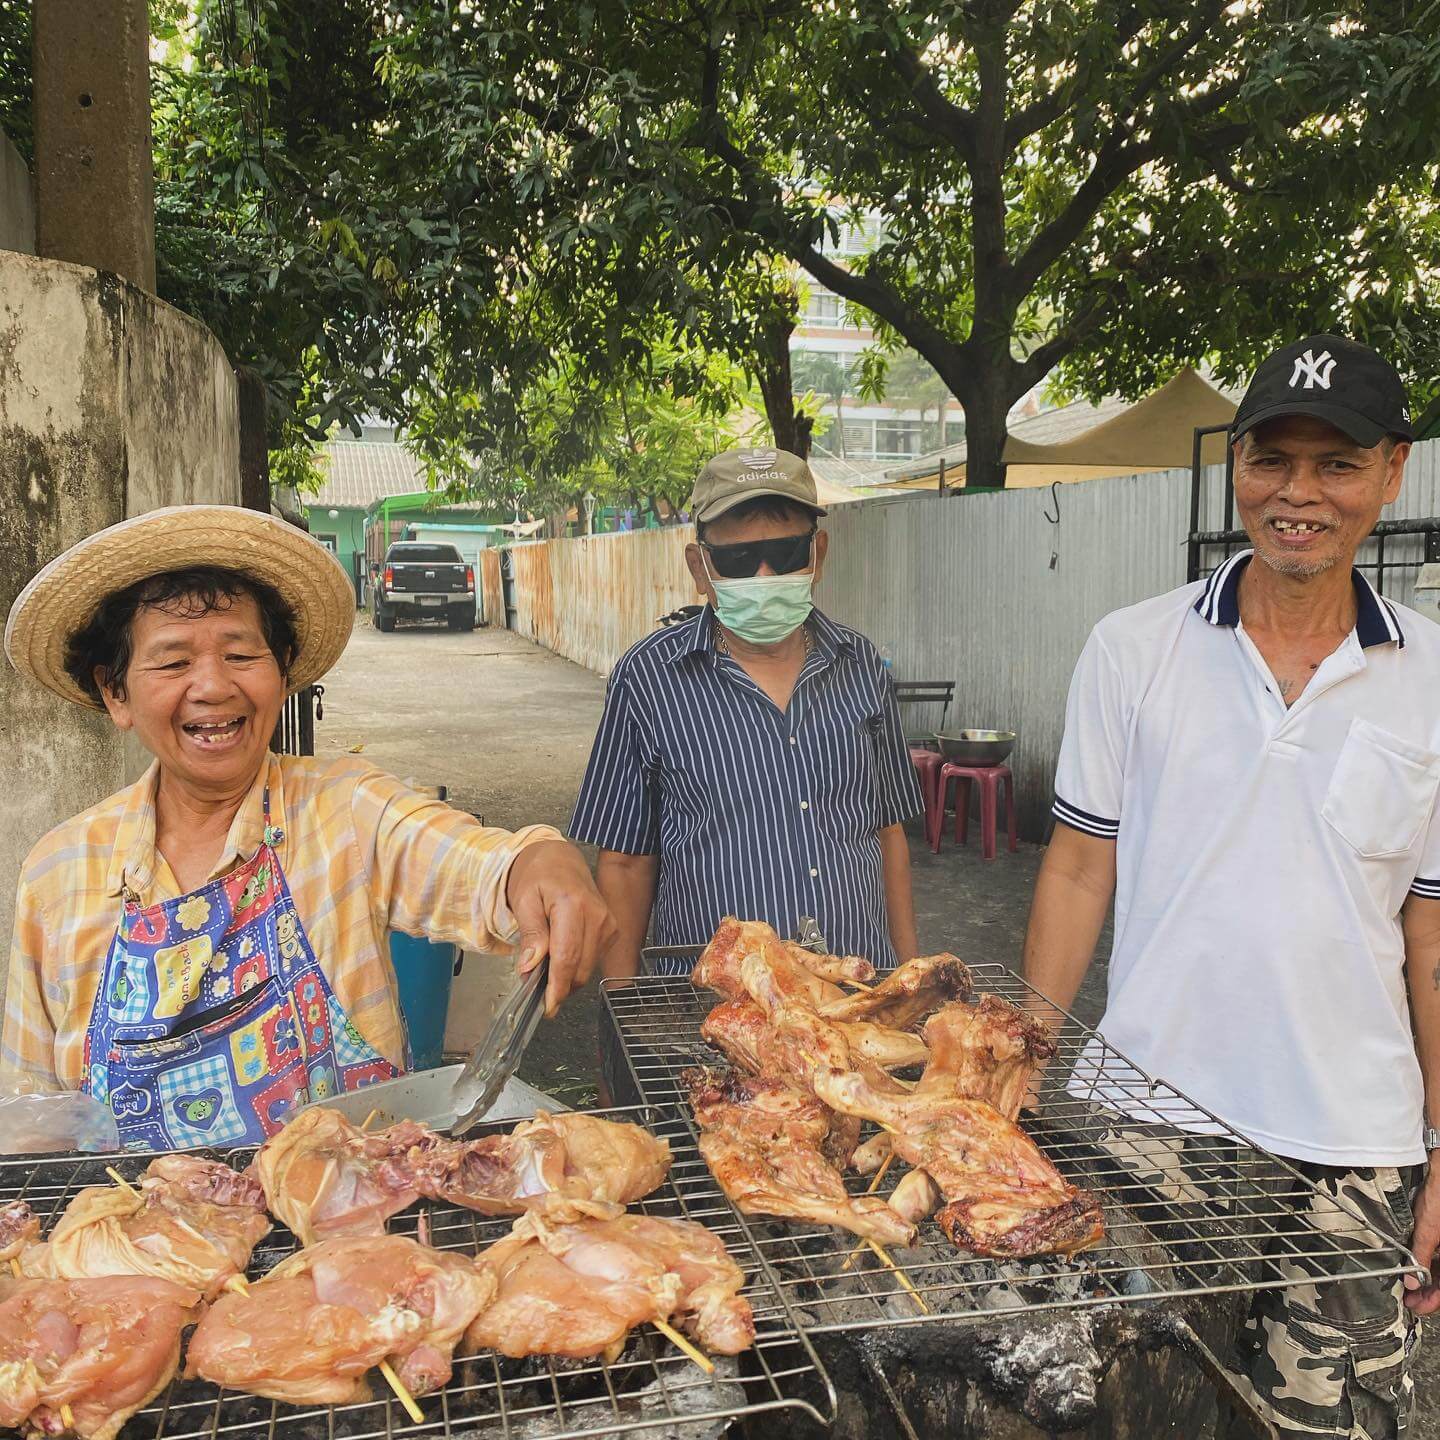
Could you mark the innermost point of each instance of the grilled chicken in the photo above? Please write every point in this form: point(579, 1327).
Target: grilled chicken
point(766, 1144)
point(101, 1347)
point(311, 1329)
point(882, 1046)
point(984, 1051)
point(193, 1222)
point(767, 1108)
point(718, 967)
point(325, 1178)
point(574, 1277)
point(1004, 1197)
point(915, 1197)
point(907, 995)
point(19, 1229)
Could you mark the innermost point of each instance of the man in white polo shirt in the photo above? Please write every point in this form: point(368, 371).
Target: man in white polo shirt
point(1250, 768)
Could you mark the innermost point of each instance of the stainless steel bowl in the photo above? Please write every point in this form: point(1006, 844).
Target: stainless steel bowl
point(975, 747)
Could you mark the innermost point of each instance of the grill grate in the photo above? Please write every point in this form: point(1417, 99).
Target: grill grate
point(649, 1385)
point(1238, 1219)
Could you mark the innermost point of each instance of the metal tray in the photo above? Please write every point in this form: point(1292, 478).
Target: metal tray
point(1237, 1228)
point(650, 1386)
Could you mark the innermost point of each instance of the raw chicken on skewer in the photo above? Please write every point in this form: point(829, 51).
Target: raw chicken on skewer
point(575, 1277)
point(578, 1156)
point(1004, 1197)
point(82, 1356)
point(907, 995)
point(763, 1141)
point(311, 1329)
point(191, 1221)
point(19, 1229)
point(325, 1178)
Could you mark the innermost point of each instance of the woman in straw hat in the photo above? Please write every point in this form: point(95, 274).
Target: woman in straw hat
point(207, 947)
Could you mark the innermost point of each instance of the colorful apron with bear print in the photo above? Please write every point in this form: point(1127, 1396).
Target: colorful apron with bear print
point(214, 1018)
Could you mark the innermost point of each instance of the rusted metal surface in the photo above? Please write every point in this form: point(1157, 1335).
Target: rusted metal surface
point(591, 599)
point(492, 598)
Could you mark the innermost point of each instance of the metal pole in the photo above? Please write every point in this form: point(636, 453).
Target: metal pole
point(1192, 546)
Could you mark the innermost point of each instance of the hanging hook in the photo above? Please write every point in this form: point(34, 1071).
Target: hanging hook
point(1055, 497)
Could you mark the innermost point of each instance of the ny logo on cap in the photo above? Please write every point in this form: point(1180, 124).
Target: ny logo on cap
point(758, 459)
point(1313, 369)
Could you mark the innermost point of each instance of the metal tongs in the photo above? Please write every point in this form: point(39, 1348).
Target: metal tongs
point(495, 1058)
point(456, 1097)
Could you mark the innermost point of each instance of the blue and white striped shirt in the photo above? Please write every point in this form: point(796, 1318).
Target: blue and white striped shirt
point(753, 812)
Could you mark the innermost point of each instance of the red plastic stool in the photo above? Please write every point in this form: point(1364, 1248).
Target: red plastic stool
point(990, 778)
point(928, 763)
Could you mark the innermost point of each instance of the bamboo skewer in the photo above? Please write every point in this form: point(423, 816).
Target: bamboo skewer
point(237, 1285)
point(401, 1393)
point(122, 1182)
point(681, 1343)
point(899, 1274)
point(365, 1123)
point(14, 1267)
point(67, 1416)
point(870, 1189)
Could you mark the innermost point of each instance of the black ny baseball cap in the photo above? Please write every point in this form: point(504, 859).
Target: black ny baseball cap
point(1334, 379)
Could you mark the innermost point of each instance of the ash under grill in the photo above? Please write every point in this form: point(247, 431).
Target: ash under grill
point(1237, 1219)
point(650, 1387)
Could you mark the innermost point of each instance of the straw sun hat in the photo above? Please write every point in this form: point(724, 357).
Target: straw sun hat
point(63, 597)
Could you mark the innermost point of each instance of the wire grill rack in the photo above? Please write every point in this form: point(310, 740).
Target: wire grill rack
point(649, 1386)
point(1185, 1214)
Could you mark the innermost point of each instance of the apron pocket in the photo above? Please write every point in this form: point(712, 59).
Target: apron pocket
point(196, 1083)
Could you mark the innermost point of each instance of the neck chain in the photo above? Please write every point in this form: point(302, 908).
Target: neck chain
point(722, 641)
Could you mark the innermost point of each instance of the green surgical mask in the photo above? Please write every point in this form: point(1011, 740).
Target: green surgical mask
point(764, 609)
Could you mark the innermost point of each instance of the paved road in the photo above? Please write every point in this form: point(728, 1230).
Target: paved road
point(508, 726)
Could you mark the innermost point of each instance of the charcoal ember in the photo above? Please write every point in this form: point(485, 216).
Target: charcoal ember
point(649, 1406)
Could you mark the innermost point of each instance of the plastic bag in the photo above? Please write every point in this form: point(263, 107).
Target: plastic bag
point(44, 1124)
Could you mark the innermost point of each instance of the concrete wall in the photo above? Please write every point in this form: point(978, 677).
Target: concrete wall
point(17, 201)
point(956, 589)
point(111, 403)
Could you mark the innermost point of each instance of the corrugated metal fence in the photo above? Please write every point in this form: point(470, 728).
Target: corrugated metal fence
point(591, 599)
point(959, 588)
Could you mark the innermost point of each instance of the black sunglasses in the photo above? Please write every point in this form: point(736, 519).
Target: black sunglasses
point(740, 562)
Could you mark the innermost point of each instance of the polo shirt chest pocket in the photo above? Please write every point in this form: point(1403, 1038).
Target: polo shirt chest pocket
point(1382, 791)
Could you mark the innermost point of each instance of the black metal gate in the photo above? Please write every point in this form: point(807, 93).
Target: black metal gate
point(1393, 548)
point(295, 732)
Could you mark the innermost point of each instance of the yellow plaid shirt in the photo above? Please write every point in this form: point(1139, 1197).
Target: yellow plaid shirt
point(362, 853)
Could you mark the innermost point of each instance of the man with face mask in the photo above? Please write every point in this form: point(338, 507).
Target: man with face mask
point(751, 761)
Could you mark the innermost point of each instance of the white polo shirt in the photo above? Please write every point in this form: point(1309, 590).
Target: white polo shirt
point(1262, 858)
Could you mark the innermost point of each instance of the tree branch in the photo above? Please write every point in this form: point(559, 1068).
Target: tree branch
point(1050, 107)
point(1117, 159)
point(952, 122)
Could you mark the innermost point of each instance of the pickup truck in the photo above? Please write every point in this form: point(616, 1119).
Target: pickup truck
point(424, 582)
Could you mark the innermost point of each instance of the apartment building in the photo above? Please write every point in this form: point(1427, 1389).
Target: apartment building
point(900, 428)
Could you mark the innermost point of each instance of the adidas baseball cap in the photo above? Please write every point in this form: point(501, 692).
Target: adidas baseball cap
point(735, 476)
point(1332, 378)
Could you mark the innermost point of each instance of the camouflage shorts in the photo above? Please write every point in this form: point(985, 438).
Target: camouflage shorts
point(1316, 1360)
